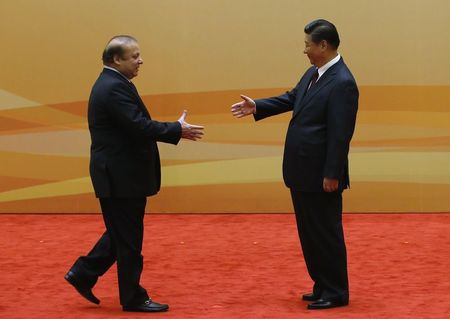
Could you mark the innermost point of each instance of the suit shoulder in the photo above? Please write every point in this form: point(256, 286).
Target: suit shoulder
point(103, 89)
point(344, 74)
point(107, 83)
point(344, 82)
point(109, 79)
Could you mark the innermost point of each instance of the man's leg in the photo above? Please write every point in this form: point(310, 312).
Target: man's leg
point(321, 219)
point(97, 261)
point(302, 213)
point(84, 273)
point(124, 221)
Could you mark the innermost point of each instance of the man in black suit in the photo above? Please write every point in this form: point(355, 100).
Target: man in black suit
point(315, 163)
point(125, 169)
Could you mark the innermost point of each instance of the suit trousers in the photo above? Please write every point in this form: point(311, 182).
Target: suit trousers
point(121, 242)
point(319, 224)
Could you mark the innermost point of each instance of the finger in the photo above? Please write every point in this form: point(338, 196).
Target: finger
point(237, 112)
point(195, 137)
point(190, 137)
point(199, 127)
point(196, 134)
point(197, 131)
point(240, 112)
point(336, 186)
point(236, 106)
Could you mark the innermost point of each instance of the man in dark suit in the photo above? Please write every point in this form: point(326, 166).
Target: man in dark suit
point(315, 163)
point(125, 169)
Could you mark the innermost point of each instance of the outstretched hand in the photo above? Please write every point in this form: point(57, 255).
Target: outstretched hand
point(243, 108)
point(189, 131)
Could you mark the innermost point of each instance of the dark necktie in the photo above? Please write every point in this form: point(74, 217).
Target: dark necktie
point(314, 79)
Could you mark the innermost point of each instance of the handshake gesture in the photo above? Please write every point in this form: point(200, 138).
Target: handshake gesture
point(189, 131)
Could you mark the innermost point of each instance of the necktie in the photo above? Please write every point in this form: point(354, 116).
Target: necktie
point(314, 79)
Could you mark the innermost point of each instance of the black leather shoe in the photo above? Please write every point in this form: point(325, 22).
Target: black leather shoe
point(147, 306)
point(326, 304)
point(310, 297)
point(83, 290)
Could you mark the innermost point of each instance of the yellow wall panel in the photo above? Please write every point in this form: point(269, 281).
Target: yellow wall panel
point(200, 55)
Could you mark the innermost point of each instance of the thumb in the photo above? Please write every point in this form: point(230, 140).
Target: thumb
point(183, 116)
point(245, 98)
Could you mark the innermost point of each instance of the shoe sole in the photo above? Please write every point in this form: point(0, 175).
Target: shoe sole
point(146, 310)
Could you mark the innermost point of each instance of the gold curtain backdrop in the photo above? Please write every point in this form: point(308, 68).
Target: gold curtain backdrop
point(200, 55)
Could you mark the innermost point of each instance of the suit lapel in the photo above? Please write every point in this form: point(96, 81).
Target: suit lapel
point(324, 80)
point(302, 90)
point(132, 88)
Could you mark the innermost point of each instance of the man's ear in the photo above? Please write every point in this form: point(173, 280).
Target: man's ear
point(323, 45)
point(117, 59)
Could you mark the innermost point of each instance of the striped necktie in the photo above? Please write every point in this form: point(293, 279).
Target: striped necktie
point(314, 79)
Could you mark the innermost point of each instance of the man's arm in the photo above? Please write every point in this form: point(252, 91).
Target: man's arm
point(263, 108)
point(341, 118)
point(129, 115)
point(275, 105)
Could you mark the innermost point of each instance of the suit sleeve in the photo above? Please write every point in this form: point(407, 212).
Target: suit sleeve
point(275, 105)
point(129, 115)
point(341, 117)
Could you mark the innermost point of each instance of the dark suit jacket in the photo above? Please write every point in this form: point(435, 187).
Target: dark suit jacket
point(124, 156)
point(322, 125)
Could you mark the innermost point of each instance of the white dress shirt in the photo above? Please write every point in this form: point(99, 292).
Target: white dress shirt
point(325, 67)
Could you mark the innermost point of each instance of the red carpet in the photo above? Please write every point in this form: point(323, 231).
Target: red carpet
point(229, 266)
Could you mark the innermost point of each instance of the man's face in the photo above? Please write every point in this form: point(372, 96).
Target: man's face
point(128, 64)
point(314, 51)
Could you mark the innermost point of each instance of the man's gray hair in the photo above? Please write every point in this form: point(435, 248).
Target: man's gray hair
point(116, 46)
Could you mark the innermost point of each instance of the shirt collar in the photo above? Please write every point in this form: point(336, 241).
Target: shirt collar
point(112, 69)
point(325, 67)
